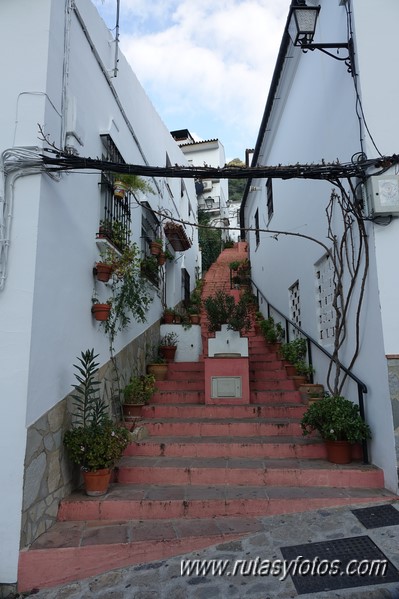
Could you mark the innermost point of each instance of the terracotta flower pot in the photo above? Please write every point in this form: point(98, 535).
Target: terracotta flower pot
point(195, 318)
point(132, 411)
point(155, 248)
point(160, 371)
point(103, 271)
point(96, 481)
point(339, 452)
point(168, 352)
point(101, 311)
point(161, 259)
point(168, 318)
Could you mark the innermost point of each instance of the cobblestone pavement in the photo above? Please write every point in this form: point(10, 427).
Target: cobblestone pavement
point(163, 580)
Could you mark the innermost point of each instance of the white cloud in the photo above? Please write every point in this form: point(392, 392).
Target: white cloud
point(206, 65)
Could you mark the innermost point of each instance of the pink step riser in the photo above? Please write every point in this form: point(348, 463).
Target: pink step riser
point(202, 508)
point(228, 449)
point(228, 411)
point(251, 476)
point(214, 429)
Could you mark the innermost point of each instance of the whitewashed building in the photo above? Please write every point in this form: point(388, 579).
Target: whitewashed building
point(61, 71)
point(319, 112)
point(213, 193)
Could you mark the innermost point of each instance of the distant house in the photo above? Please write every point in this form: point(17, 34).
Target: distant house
point(322, 110)
point(62, 75)
point(212, 193)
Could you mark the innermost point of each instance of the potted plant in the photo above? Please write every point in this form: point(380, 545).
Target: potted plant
point(221, 308)
point(100, 311)
point(193, 311)
point(157, 365)
point(168, 346)
point(94, 442)
point(339, 423)
point(137, 394)
point(128, 183)
point(272, 332)
point(156, 247)
point(168, 315)
point(293, 353)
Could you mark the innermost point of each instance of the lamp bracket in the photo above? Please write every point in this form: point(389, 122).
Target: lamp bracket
point(325, 47)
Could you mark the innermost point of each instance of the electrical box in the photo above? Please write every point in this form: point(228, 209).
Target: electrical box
point(383, 195)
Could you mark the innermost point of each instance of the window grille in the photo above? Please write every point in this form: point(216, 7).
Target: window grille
point(295, 306)
point(257, 235)
point(269, 195)
point(324, 278)
point(115, 223)
point(185, 282)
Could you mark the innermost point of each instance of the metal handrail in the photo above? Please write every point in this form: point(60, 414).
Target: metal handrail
point(361, 387)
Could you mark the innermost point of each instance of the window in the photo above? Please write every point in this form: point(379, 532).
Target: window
point(295, 305)
point(269, 199)
point(149, 232)
point(257, 235)
point(185, 284)
point(324, 274)
point(115, 223)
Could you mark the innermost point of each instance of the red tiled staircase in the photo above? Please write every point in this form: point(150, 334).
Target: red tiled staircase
point(204, 474)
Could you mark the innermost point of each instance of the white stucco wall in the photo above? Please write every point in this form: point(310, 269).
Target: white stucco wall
point(379, 90)
point(45, 318)
point(315, 118)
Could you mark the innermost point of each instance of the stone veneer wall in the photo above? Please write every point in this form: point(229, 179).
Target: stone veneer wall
point(49, 475)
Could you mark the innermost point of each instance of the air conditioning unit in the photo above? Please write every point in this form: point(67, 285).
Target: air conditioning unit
point(383, 195)
point(207, 185)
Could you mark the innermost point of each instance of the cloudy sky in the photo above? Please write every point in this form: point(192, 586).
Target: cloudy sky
point(205, 64)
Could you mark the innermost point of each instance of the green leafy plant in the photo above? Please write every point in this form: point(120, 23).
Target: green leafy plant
point(221, 308)
point(304, 369)
point(97, 446)
point(133, 182)
point(235, 264)
point(294, 351)
point(168, 340)
point(139, 390)
point(130, 294)
point(90, 409)
point(94, 442)
point(337, 419)
point(273, 332)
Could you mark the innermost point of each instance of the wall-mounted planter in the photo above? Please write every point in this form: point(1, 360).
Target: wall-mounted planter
point(177, 237)
point(103, 271)
point(119, 189)
point(155, 248)
point(101, 312)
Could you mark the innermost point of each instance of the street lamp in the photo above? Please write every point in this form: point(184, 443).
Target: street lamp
point(302, 21)
point(209, 202)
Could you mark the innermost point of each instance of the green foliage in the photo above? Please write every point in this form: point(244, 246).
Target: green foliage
point(139, 390)
point(130, 293)
point(272, 332)
point(168, 340)
point(90, 409)
point(336, 419)
point(210, 240)
point(236, 186)
point(294, 351)
point(222, 309)
point(304, 369)
point(133, 182)
point(235, 264)
point(96, 446)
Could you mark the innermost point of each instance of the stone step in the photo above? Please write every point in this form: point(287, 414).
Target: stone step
point(201, 427)
point(246, 471)
point(162, 502)
point(274, 396)
point(271, 384)
point(181, 385)
point(180, 397)
point(238, 447)
point(279, 410)
point(77, 550)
